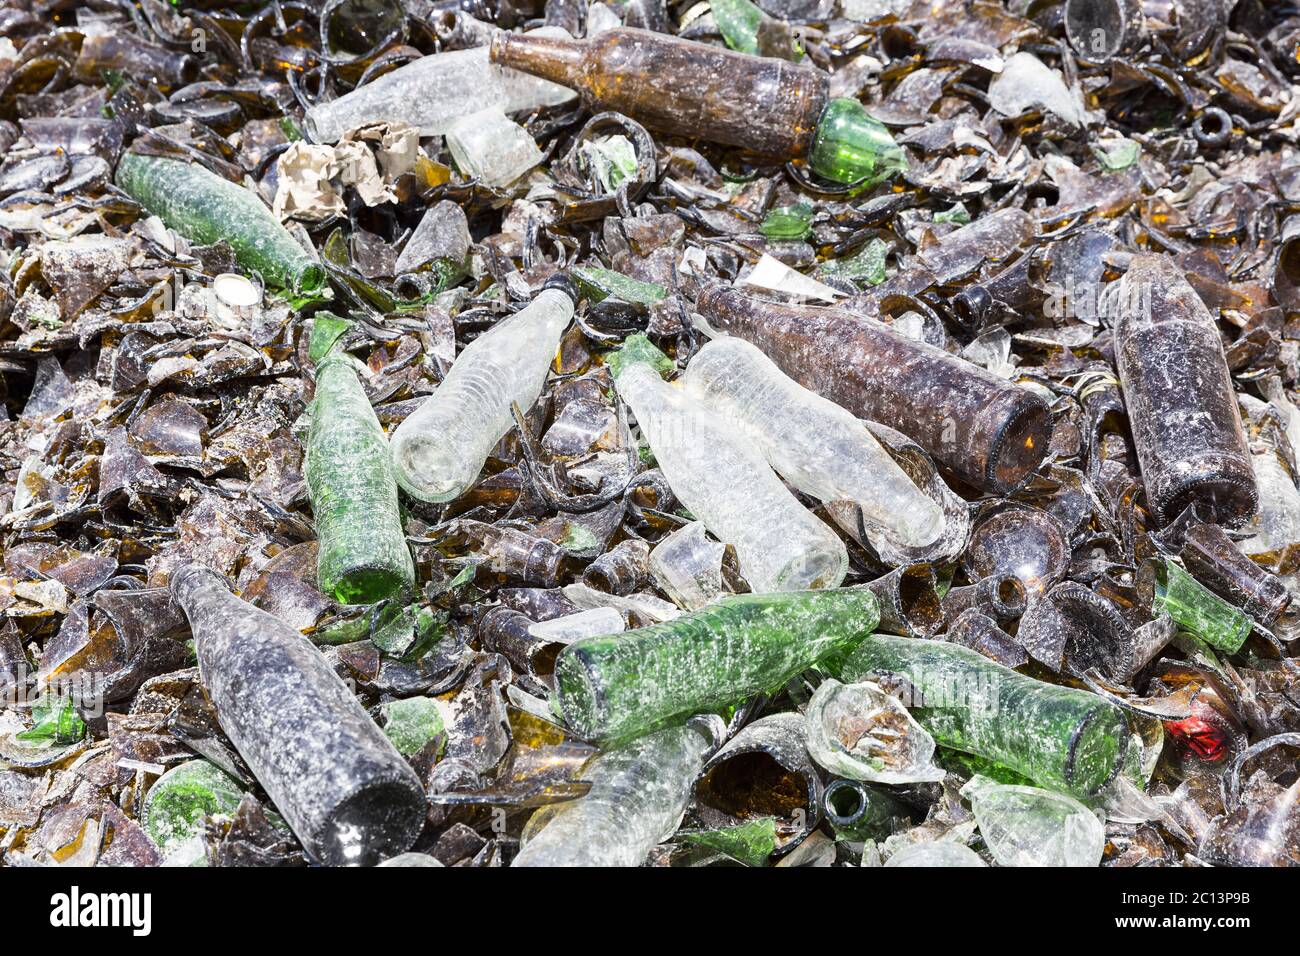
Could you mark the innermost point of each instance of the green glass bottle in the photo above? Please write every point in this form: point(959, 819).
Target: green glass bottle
point(205, 208)
point(769, 106)
point(1060, 737)
point(613, 687)
point(362, 555)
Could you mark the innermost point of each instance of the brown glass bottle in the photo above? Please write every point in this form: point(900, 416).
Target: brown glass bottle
point(1182, 409)
point(1212, 558)
point(989, 432)
point(764, 104)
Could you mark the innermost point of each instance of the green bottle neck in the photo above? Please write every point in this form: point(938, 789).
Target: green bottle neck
point(852, 147)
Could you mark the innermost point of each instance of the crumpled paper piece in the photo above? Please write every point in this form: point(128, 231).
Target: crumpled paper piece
point(370, 158)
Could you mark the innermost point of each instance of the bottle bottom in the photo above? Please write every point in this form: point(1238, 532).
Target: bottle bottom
point(366, 585)
point(1020, 447)
point(1227, 498)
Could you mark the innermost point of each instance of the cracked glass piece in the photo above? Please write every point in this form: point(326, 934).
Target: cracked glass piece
point(727, 484)
point(439, 450)
point(345, 791)
point(765, 770)
point(788, 223)
point(941, 853)
point(412, 723)
point(443, 233)
point(1197, 609)
point(492, 148)
point(1181, 405)
point(362, 555)
point(205, 208)
point(432, 93)
point(818, 447)
point(616, 686)
point(180, 800)
point(638, 795)
point(751, 842)
point(880, 376)
point(860, 732)
point(1276, 525)
point(853, 147)
point(1026, 826)
point(688, 566)
point(572, 627)
point(1058, 736)
point(1027, 82)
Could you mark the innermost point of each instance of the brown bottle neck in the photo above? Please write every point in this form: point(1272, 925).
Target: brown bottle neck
point(558, 59)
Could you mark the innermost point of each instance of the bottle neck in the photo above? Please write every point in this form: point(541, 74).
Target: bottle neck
point(558, 59)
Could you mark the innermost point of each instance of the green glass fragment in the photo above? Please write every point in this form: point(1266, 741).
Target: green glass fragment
point(395, 630)
point(290, 129)
point(1198, 610)
point(613, 687)
point(1117, 156)
point(612, 159)
point(638, 349)
point(851, 146)
point(205, 208)
point(362, 555)
point(866, 267)
point(179, 800)
point(55, 721)
point(326, 329)
point(956, 213)
point(788, 223)
point(411, 723)
point(751, 842)
point(1060, 737)
point(738, 22)
point(580, 541)
point(599, 284)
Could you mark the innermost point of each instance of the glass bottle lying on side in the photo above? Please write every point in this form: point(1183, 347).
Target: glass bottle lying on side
point(725, 483)
point(989, 432)
point(766, 105)
point(813, 443)
point(618, 685)
point(362, 556)
point(1060, 737)
point(1181, 406)
point(346, 792)
point(439, 450)
point(206, 209)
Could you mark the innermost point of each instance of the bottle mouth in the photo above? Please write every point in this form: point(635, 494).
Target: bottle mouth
point(378, 820)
